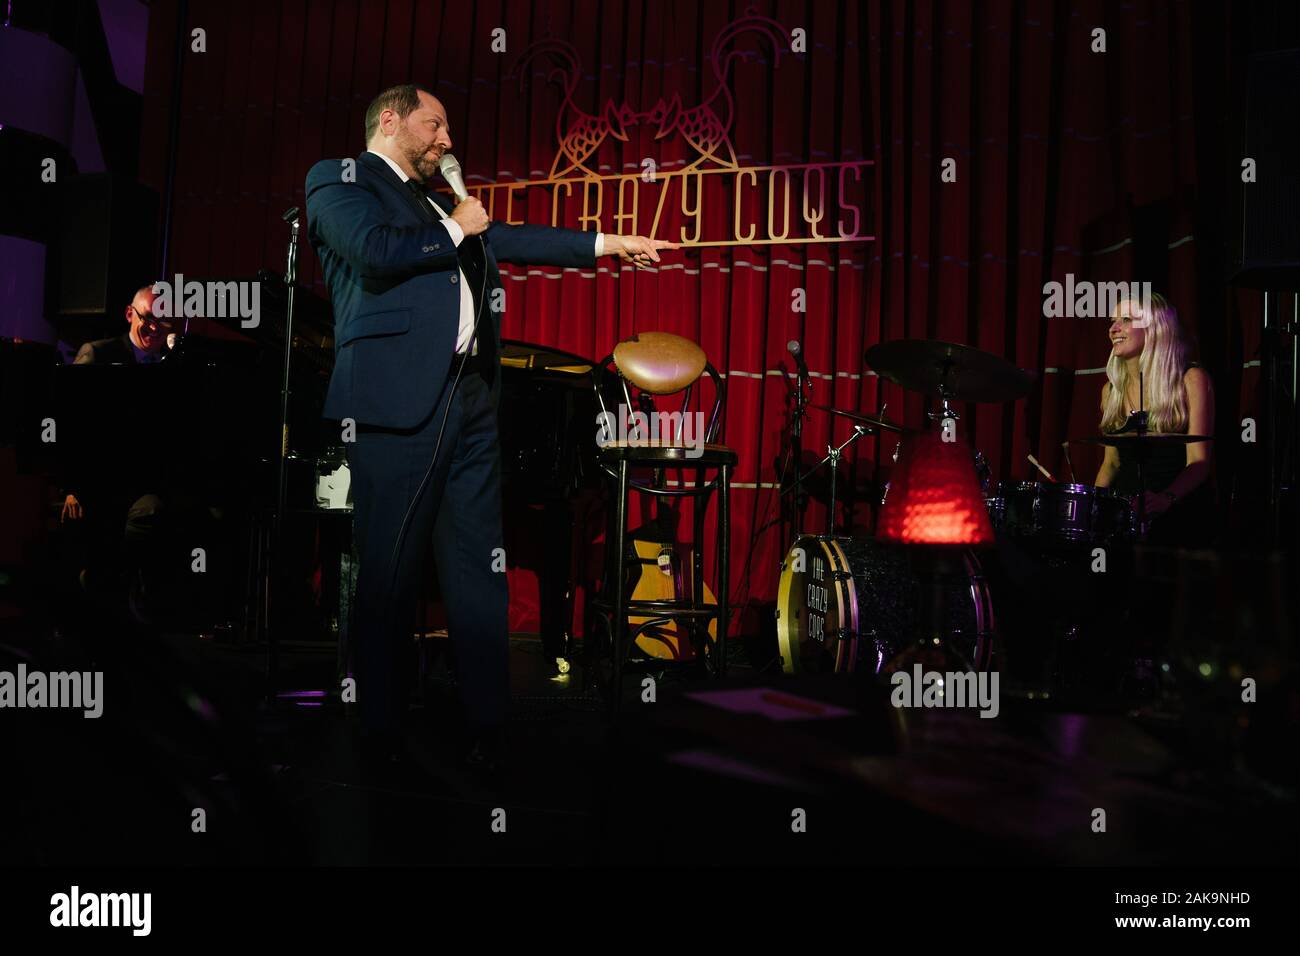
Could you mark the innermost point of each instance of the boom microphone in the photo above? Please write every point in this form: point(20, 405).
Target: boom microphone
point(796, 350)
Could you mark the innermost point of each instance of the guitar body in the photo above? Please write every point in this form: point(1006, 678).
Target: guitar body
point(660, 579)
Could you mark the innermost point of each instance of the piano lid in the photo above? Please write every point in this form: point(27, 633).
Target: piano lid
point(531, 357)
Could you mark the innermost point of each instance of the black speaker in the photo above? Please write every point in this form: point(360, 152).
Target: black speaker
point(1264, 241)
point(104, 249)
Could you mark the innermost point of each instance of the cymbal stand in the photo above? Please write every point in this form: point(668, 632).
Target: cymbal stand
point(1140, 418)
point(945, 395)
point(833, 455)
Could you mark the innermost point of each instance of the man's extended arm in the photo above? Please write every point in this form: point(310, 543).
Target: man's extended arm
point(542, 245)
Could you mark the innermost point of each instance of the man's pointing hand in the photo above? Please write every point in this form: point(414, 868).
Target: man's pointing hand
point(638, 250)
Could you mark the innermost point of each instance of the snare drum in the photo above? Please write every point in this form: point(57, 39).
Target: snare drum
point(1013, 510)
point(1115, 518)
point(1063, 513)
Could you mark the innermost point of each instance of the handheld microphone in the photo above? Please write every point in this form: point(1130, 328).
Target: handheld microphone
point(796, 350)
point(451, 172)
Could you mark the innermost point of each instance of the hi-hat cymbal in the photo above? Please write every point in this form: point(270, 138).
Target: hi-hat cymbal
point(1132, 438)
point(956, 371)
point(881, 423)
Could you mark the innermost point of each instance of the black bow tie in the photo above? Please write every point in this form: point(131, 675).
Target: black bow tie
point(422, 197)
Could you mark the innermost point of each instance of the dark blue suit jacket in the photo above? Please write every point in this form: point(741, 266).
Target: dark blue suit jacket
point(393, 280)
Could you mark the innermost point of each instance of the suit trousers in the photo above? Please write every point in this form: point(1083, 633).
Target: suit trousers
point(460, 508)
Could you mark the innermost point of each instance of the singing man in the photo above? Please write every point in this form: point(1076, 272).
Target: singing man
point(411, 275)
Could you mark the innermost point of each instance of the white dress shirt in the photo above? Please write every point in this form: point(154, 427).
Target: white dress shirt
point(466, 328)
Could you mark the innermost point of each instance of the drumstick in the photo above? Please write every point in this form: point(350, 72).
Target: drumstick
point(1046, 474)
point(1066, 445)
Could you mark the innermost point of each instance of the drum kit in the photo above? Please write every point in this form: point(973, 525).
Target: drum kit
point(851, 604)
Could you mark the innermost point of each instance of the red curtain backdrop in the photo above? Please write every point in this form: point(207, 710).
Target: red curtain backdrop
point(1110, 166)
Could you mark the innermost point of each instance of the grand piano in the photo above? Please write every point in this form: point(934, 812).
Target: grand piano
point(549, 467)
point(213, 409)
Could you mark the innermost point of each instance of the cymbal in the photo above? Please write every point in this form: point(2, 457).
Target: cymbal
point(1132, 438)
point(880, 423)
point(957, 371)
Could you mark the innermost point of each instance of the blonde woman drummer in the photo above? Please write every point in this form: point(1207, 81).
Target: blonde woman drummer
point(1178, 397)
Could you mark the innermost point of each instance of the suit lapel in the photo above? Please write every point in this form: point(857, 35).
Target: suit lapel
point(385, 173)
point(470, 253)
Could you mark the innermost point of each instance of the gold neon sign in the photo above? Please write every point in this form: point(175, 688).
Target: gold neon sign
point(811, 202)
point(764, 204)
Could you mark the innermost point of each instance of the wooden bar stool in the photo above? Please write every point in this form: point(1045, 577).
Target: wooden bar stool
point(639, 445)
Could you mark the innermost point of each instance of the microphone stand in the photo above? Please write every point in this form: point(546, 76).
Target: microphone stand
point(1141, 456)
point(277, 538)
point(797, 414)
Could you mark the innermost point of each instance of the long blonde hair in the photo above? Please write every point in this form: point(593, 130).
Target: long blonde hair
point(1163, 363)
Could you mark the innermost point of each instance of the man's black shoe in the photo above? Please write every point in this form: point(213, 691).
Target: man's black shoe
point(384, 762)
point(487, 751)
point(401, 762)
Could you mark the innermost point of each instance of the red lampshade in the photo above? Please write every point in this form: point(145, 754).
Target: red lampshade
point(934, 496)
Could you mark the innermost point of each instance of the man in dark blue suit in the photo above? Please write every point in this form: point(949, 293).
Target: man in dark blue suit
point(415, 387)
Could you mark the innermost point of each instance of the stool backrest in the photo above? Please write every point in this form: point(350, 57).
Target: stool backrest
point(658, 364)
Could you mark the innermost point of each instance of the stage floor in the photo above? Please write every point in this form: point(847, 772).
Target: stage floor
point(685, 779)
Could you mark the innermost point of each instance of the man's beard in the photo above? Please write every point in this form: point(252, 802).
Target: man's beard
point(418, 156)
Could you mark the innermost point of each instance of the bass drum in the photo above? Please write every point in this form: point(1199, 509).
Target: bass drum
point(846, 604)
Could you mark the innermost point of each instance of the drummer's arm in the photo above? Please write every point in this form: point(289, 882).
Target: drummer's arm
point(1110, 463)
point(1200, 421)
point(1109, 466)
